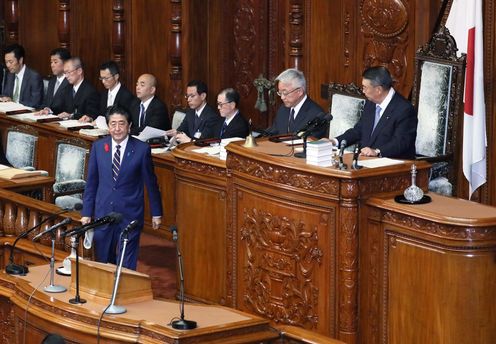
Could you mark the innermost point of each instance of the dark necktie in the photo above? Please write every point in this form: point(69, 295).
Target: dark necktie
point(291, 121)
point(377, 117)
point(197, 123)
point(116, 162)
point(223, 129)
point(142, 115)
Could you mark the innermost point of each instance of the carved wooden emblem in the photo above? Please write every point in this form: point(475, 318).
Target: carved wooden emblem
point(281, 256)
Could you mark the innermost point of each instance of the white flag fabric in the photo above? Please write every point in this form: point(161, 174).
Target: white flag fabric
point(465, 25)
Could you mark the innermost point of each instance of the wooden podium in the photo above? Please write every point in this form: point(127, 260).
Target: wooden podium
point(268, 234)
point(96, 283)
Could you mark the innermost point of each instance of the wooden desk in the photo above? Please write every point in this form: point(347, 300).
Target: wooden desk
point(144, 322)
point(428, 272)
point(276, 237)
point(39, 187)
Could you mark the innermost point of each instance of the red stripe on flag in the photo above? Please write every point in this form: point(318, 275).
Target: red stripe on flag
point(469, 73)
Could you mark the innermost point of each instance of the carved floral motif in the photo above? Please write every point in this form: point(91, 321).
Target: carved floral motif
point(282, 254)
point(283, 175)
point(245, 35)
point(202, 168)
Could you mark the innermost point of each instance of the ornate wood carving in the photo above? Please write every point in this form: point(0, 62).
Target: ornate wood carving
point(202, 168)
point(2, 233)
point(64, 28)
point(245, 34)
point(282, 254)
point(392, 183)
point(384, 24)
point(7, 331)
point(9, 219)
point(12, 21)
point(282, 175)
point(118, 35)
point(441, 230)
point(175, 56)
point(21, 223)
point(296, 33)
point(348, 270)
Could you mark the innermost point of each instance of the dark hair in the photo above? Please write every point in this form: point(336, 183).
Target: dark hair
point(201, 87)
point(62, 53)
point(112, 66)
point(53, 338)
point(117, 110)
point(378, 76)
point(231, 95)
point(15, 48)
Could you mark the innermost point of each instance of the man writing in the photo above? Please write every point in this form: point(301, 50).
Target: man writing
point(388, 126)
point(119, 168)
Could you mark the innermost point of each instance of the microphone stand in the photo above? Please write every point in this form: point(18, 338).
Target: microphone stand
point(77, 299)
point(52, 288)
point(112, 308)
point(303, 154)
point(181, 324)
point(356, 153)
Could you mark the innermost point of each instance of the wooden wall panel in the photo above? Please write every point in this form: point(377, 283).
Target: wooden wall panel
point(37, 35)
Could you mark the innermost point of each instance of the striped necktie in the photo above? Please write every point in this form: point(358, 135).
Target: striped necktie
point(142, 115)
point(116, 162)
point(16, 91)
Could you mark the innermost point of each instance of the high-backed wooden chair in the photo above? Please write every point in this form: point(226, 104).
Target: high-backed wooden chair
point(438, 97)
point(346, 107)
point(20, 147)
point(71, 157)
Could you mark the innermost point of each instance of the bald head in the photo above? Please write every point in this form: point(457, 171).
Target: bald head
point(146, 87)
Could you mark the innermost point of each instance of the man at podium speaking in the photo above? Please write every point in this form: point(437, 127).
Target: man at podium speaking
point(119, 168)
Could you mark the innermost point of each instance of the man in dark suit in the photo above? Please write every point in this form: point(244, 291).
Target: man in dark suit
point(234, 124)
point(388, 126)
point(54, 95)
point(115, 93)
point(82, 99)
point(201, 121)
point(297, 109)
point(148, 110)
point(23, 85)
point(119, 168)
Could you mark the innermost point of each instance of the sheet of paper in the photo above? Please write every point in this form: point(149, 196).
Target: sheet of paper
point(31, 117)
point(380, 162)
point(101, 122)
point(293, 142)
point(150, 132)
point(73, 123)
point(215, 150)
point(94, 132)
point(12, 106)
point(159, 150)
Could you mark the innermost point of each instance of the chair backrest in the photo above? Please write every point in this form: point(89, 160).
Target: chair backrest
point(20, 148)
point(438, 97)
point(346, 107)
point(177, 118)
point(70, 161)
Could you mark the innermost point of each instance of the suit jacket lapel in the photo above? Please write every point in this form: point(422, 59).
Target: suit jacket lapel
point(127, 158)
point(384, 119)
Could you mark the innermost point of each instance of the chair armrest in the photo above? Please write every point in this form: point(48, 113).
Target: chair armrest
point(69, 186)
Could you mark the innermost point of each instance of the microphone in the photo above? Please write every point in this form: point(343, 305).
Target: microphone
point(314, 123)
point(107, 219)
point(129, 228)
point(64, 222)
point(342, 146)
point(17, 269)
point(356, 154)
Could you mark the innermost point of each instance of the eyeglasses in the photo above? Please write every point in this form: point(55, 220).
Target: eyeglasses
point(222, 104)
point(187, 96)
point(105, 78)
point(71, 71)
point(285, 94)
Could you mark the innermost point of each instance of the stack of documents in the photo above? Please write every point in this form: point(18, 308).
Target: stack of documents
point(224, 143)
point(319, 153)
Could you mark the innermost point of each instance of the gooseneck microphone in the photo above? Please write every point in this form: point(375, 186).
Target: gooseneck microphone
point(181, 323)
point(18, 269)
point(342, 146)
point(64, 222)
point(356, 154)
point(315, 123)
point(107, 219)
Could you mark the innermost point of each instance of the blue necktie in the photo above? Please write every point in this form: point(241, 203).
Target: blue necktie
point(223, 129)
point(291, 122)
point(142, 115)
point(116, 162)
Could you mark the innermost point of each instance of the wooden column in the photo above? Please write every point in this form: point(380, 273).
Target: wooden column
point(175, 55)
point(12, 21)
point(296, 33)
point(118, 35)
point(64, 28)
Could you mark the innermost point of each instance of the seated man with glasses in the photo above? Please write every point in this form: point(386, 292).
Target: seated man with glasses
point(81, 99)
point(201, 121)
point(115, 93)
point(388, 126)
point(297, 109)
point(234, 124)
